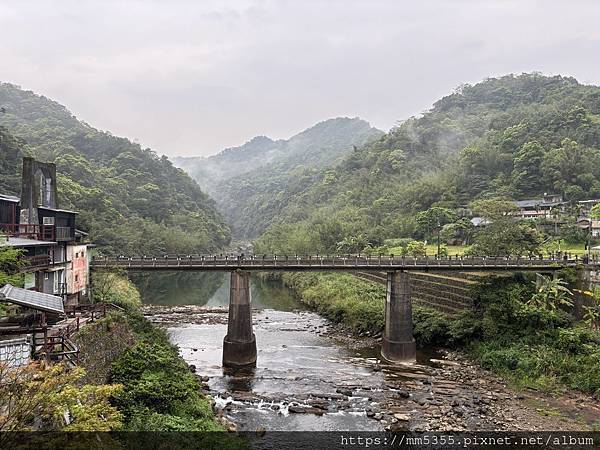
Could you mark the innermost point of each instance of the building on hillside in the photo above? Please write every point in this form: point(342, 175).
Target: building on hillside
point(56, 252)
point(480, 222)
point(585, 206)
point(539, 207)
point(592, 226)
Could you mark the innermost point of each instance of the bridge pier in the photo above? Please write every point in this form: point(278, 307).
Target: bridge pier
point(398, 342)
point(239, 345)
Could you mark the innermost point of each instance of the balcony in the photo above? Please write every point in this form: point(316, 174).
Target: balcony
point(40, 232)
point(36, 262)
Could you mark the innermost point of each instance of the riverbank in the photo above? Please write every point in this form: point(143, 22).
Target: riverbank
point(159, 391)
point(313, 374)
point(530, 347)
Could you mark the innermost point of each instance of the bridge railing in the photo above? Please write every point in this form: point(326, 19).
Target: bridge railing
point(336, 261)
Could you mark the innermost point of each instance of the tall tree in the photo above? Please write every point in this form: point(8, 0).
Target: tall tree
point(434, 219)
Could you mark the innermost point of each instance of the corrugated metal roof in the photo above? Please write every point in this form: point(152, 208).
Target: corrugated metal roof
point(32, 299)
point(535, 202)
point(9, 198)
point(24, 242)
point(57, 210)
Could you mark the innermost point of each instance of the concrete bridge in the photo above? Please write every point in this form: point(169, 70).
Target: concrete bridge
point(239, 345)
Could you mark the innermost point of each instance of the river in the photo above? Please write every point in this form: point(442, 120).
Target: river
point(311, 376)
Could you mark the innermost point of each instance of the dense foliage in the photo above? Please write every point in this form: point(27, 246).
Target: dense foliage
point(253, 183)
point(513, 137)
point(51, 398)
point(130, 199)
point(11, 154)
point(159, 391)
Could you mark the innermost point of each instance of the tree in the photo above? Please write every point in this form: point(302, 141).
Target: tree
point(493, 209)
point(460, 231)
point(572, 167)
point(113, 286)
point(551, 293)
point(503, 235)
point(434, 219)
point(527, 175)
point(50, 397)
point(10, 263)
point(416, 248)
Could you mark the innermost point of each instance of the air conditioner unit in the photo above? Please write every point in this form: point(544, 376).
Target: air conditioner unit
point(48, 221)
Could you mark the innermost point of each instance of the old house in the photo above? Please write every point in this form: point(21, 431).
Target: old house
point(55, 251)
point(538, 208)
point(591, 226)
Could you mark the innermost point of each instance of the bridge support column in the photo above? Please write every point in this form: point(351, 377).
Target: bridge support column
point(239, 345)
point(398, 342)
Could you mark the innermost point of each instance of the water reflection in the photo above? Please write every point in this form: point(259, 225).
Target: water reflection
point(208, 289)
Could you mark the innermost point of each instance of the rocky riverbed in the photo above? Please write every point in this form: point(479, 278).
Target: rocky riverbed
point(312, 375)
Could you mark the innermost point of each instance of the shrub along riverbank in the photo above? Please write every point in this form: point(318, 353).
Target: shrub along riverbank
point(159, 392)
point(530, 345)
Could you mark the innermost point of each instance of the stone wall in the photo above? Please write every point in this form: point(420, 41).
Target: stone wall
point(449, 293)
point(100, 343)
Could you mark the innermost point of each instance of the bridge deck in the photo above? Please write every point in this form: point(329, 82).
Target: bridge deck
point(339, 263)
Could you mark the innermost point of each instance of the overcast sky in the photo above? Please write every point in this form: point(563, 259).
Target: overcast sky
point(194, 77)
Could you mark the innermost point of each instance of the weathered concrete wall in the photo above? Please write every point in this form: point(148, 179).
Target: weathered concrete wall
point(449, 293)
point(239, 345)
point(38, 188)
point(398, 342)
point(100, 343)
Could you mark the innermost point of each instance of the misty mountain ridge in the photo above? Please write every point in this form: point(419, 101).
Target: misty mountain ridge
point(253, 182)
point(317, 146)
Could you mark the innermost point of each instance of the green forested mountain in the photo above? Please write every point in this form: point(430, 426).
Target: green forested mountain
point(514, 137)
point(252, 183)
point(130, 199)
point(11, 153)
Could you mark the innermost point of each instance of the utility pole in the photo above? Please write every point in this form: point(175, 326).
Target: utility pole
point(589, 239)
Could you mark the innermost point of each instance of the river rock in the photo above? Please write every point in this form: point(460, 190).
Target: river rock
point(403, 393)
point(346, 392)
point(297, 409)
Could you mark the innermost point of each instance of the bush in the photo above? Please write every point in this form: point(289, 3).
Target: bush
point(159, 391)
point(430, 327)
point(341, 298)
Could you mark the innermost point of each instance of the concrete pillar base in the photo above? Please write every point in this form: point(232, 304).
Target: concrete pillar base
point(399, 351)
point(398, 343)
point(239, 354)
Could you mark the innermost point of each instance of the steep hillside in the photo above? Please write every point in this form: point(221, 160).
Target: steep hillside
point(515, 136)
point(131, 200)
point(11, 154)
point(252, 183)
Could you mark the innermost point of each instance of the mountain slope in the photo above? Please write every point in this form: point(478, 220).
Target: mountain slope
point(251, 183)
point(231, 162)
point(515, 136)
point(131, 200)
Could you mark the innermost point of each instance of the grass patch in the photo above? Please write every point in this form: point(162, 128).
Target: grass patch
point(341, 298)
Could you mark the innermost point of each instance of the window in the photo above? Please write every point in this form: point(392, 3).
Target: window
point(76, 278)
point(46, 276)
